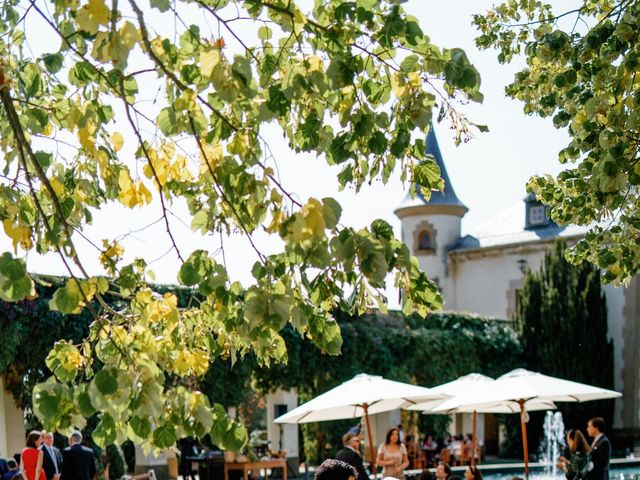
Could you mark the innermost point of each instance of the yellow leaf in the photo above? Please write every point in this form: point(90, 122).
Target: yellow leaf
point(86, 137)
point(92, 15)
point(315, 63)
point(208, 60)
point(398, 86)
point(144, 195)
point(213, 157)
point(117, 140)
point(57, 186)
point(314, 216)
point(276, 221)
point(103, 162)
point(128, 194)
point(181, 364)
point(168, 150)
point(71, 360)
point(19, 234)
point(200, 362)
point(179, 170)
point(48, 130)
point(129, 35)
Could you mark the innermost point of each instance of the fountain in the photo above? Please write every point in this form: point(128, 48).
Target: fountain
point(552, 444)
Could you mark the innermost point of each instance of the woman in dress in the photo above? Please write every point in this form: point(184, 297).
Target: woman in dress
point(577, 465)
point(31, 458)
point(392, 455)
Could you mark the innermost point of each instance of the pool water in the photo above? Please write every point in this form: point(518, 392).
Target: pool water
point(616, 473)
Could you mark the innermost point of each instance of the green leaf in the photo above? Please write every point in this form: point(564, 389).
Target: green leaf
point(427, 175)
point(67, 299)
point(234, 438)
point(399, 146)
point(83, 401)
point(382, 229)
point(264, 33)
point(53, 62)
point(332, 212)
point(165, 436)
point(106, 432)
point(44, 159)
point(15, 282)
point(140, 426)
point(195, 269)
point(106, 380)
point(167, 121)
point(162, 5)
point(410, 64)
point(242, 70)
point(377, 143)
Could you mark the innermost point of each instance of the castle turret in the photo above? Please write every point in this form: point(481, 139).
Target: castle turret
point(429, 227)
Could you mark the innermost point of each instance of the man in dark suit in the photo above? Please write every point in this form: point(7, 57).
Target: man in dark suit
point(51, 458)
point(78, 462)
point(600, 450)
point(351, 454)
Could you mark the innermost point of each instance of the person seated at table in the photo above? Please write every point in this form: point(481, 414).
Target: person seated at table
point(413, 452)
point(465, 456)
point(430, 449)
point(456, 449)
point(350, 454)
point(332, 469)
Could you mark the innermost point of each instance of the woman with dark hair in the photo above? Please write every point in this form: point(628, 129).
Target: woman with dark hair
point(392, 455)
point(577, 466)
point(472, 473)
point(31, 458)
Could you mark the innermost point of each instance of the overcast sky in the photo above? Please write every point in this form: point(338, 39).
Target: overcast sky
point(488, 173)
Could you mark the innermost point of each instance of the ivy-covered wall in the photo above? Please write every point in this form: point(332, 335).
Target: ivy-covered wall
point(427, 352)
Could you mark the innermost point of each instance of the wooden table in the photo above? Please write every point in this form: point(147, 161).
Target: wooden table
point(260, 464)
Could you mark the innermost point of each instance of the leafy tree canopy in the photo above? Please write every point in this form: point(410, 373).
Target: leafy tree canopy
point(354, 82)
point(585, 77)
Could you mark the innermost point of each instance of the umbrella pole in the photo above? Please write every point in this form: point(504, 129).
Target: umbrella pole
point(369, 438)
point(473, 440)
point(525, 446)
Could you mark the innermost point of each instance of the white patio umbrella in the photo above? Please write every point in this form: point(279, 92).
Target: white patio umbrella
point(472, 382)
point(363, 395)
point(526, 389)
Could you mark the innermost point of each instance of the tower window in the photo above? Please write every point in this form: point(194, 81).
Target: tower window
point(424, 242)
point(424, 239)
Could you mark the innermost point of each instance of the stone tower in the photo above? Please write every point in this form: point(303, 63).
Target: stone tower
point(430, 227)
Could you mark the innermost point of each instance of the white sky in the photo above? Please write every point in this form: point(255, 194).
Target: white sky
point(488, 173)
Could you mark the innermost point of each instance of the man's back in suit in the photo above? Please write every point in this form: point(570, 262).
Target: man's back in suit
point(78, 463)
point(349, 456)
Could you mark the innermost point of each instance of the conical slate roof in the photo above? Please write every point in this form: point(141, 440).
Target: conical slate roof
point(446, 197)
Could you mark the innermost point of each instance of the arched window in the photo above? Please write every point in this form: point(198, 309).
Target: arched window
point(424, 241)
